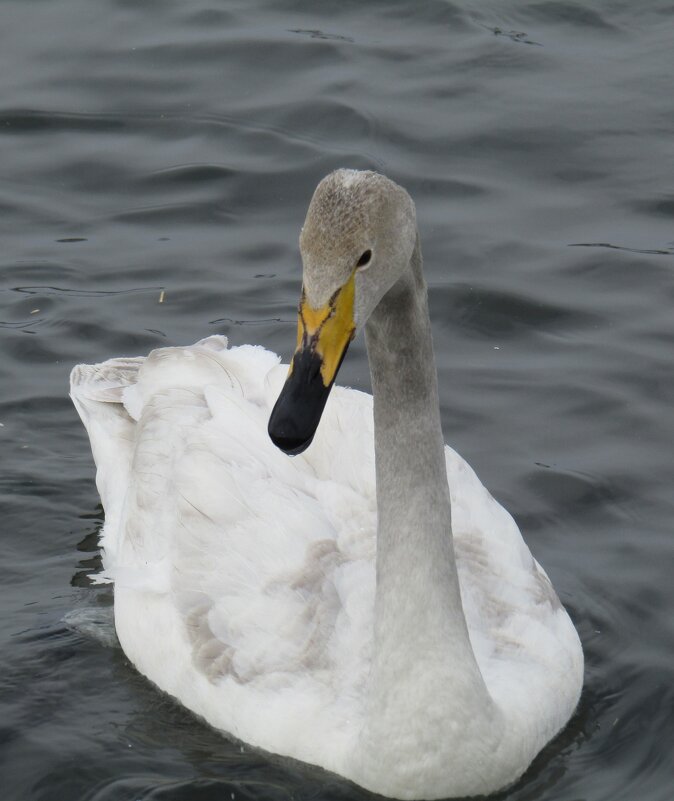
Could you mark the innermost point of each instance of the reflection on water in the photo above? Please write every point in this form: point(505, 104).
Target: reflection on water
point(160, 158)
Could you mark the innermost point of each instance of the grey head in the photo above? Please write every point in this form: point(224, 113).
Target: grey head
point(357, 241)
point(359, 223)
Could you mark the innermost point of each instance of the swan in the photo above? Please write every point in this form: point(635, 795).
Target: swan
point(365, 606)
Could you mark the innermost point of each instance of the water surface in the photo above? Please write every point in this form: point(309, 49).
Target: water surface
point(173, 147)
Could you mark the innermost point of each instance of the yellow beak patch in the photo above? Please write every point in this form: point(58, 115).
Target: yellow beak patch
point(327, 331)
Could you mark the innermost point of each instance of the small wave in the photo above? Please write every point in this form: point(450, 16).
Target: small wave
point(647, 251)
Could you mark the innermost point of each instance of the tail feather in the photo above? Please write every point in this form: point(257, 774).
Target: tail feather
point(97, 390)
point(110, 398)
point(104, 382)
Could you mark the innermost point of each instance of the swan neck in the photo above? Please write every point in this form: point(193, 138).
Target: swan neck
point(414, 514)
point(421, 642)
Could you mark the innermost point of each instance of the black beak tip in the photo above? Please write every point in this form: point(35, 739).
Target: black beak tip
point(298, 409)
point(291, 433)
point(289, 444)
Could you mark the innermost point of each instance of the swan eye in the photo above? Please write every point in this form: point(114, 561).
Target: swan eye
point(364, 259)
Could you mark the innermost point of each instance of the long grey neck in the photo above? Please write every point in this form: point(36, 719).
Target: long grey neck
point(419, 620)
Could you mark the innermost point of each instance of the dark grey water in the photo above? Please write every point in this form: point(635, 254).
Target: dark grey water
point(149, 146)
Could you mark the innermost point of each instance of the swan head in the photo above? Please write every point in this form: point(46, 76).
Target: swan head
point(356, 243)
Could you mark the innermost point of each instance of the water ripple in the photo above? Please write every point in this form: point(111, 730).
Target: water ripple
point(160, 157)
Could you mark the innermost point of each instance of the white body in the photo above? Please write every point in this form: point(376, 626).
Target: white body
point(245, 581)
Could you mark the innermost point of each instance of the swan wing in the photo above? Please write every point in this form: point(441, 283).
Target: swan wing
point(525, 644)
point(244, 580)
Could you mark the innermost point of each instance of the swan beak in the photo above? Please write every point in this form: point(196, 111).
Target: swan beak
point(323, 337)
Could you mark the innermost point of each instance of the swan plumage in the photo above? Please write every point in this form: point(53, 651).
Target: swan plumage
point(245, 580)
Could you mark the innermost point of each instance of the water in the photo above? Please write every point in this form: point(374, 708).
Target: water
point(166, 146)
